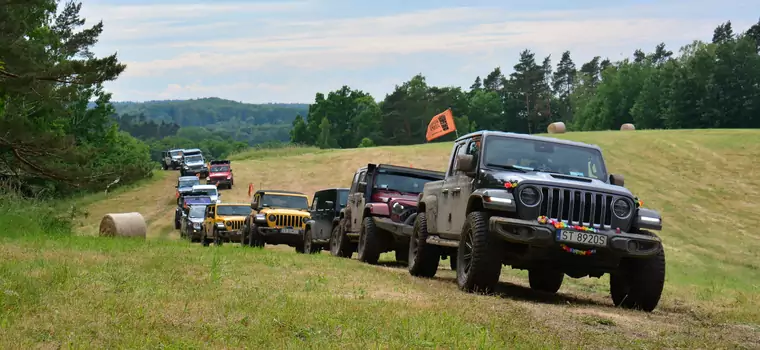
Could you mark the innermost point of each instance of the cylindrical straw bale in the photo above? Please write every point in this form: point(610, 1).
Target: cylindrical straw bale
point(556, 128)
point(627, 126)
point(123, 225)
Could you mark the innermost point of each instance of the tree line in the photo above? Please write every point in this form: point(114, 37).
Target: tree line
point(707, 85)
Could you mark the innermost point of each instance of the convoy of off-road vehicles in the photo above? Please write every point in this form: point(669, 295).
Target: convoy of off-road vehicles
point(540, 204)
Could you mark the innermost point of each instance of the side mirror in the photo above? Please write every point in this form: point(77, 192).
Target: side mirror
point(464, 163)
point(254, 205)
point(362, 186)
point(617, 180)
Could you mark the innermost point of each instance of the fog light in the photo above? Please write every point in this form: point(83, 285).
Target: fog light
point(633, 246)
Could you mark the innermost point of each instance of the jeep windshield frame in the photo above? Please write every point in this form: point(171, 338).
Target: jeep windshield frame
point(188, 183)
point(197, 211)
point(531, 155)
point(219, 168)
point(283, 201)
point(233, 210)
point(196, 158)
point(399, 181)
point(174, 154)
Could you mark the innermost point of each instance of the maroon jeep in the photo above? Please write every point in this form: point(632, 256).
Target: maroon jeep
point(382, 205)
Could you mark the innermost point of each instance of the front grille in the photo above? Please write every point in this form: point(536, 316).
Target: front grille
point(235, 224)
point(578, 207)
point(284, 220)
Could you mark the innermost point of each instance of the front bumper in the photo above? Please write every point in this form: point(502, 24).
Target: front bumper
point(289, 236)
point(533, 233)
point(193, 171)
point(218, 181)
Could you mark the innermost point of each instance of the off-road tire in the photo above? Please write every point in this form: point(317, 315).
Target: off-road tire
point(177, 223)
point(163, 166)
point(638, 283)
point(254, 238)
point(423, 257)
point(308, 244)
point(369, 242)
point(218, 241)
point(204, 240)
point(478, 264)
point(339, 243)
point(544, 280)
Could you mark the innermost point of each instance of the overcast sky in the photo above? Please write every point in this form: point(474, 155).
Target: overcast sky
point(286, 51)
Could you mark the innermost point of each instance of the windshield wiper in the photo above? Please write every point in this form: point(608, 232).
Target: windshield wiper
point(508, 167)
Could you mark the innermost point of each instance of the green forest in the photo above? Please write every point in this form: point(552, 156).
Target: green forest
point(703, 85)
point(60, 133)
point(218, 127)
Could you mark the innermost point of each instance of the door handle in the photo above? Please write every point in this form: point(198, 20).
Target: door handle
point(457, 190)
point(445, 191)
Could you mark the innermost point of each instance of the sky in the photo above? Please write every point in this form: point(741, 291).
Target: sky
point(288, 50)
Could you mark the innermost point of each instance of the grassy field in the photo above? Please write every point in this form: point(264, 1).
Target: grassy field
point(83, 291)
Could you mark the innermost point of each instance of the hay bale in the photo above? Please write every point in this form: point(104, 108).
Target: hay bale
point(627, 126)
point(556, 128)
point(123, 225)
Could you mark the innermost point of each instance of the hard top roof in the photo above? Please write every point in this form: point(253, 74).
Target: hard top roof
point(280, 192)
point(233, 204)
point(527, 137)
point(203, 186)
point(186, 150)
point(175, 149)
point(189, 177)
point(434, 173)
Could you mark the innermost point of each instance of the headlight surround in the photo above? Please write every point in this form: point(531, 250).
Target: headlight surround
point(622, 208)
point(197, 225)
point(397, 208)
point(530, 196)
point(272, 217)
point(304, 219)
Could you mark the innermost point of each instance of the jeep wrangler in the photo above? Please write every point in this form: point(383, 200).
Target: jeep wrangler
point(191, 227)
point(277, 217)
point(325, 216)
point(382, 198)
point(171, 159)
point(543, 205)
point(220, 174)
point(186, 199)
point(222, 222)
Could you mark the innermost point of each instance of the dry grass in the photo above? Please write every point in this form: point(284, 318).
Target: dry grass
point(90, 292)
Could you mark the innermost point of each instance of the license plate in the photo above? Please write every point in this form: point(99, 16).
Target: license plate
point(582, 238)
point(288, 230)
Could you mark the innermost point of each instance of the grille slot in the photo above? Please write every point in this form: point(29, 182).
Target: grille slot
point(577, 207)
point(235, 224)
point(287, 220)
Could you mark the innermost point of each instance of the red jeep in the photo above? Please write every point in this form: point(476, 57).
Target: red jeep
point(220, 173)
point(382, 205)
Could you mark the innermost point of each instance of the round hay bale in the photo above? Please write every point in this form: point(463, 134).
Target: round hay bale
point(556, 128)
point(123, 225)
point(627, 126)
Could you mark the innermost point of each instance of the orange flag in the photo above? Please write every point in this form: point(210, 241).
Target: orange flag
point(250, 189)
point(440, 125)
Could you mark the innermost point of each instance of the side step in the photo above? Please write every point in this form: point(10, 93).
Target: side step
point(442, 242)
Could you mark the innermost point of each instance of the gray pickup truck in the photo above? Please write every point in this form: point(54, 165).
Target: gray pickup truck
point(539, 204)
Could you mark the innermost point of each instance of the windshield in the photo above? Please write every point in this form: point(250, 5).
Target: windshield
point(342, 197)
point(197, 211)
point(220, 168)
point(175, 153)
point(189, 183)
point(193, 159)
point(207, 191)
point(290, 202)
point(535, 155)
point(233, 210)
point(401, 182)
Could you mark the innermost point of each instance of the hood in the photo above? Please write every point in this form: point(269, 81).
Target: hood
point(195, 163)
point(496, 179)
point(219, 174)
point(407, 199)
point(285, 211)
point(232, 217)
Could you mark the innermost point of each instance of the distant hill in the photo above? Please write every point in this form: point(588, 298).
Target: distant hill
point(212, 110)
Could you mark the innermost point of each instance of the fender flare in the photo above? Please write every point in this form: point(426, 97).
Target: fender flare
point(378, 209)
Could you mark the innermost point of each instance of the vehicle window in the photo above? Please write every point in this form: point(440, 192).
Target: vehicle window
point(193, 159)
point(400, 182)
point(314, 203)
point(355, 182)
point(343, 197)
point(219, 168)
point(459, 150)
point(176, 153)
point(197, 211)
point(281, 201)
point(207, 191)
point(362, 177)
point(536, 155)
point(233, 210)
point(189, 183)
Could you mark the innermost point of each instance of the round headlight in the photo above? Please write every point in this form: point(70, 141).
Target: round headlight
point(397, 208)
point(530, 197)
point(272, 217)
point(304, 219)
point(621, 208)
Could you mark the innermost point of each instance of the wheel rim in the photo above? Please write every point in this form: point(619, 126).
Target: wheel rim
point(467, 252)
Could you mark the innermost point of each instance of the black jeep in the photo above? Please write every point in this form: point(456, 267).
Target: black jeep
point(325, 216)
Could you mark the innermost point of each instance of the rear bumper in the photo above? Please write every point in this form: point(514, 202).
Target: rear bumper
point(535, 234)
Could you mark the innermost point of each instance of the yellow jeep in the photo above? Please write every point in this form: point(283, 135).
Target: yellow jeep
point(223, 221)
point(277, 217)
